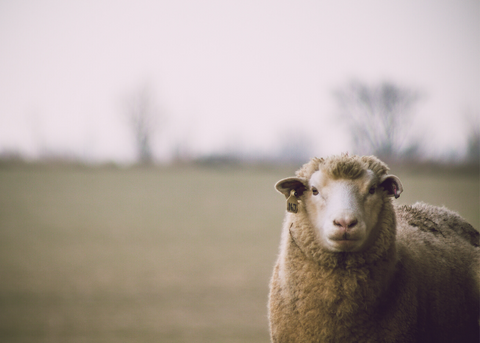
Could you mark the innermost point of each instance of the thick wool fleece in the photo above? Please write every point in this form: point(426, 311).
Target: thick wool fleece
point(418, 282)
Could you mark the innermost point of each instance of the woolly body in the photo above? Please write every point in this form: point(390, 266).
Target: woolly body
point(417, 281)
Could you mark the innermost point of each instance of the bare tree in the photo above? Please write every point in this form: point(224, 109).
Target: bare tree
point(473, 137)
point(143, 119)
point(378, 116)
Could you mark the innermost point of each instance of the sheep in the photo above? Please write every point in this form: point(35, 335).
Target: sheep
point(354, 267)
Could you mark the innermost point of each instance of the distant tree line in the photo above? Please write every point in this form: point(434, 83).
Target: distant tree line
point(378, 117)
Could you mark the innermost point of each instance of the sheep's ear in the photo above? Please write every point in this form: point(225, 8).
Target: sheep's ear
point(285, 186)
point(392, 185)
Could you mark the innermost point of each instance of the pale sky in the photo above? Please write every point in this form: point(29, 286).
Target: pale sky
point(243, 74)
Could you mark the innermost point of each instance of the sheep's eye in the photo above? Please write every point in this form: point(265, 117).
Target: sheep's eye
point(372, 190)
point(314, 191)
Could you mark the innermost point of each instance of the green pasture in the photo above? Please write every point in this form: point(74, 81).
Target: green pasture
point(154, 254)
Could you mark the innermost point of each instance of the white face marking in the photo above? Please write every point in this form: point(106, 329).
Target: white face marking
point(344, 213)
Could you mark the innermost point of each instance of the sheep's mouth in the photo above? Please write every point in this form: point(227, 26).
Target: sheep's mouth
point(345, 244)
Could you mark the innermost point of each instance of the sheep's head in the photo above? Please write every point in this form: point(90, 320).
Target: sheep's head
point(343, 197)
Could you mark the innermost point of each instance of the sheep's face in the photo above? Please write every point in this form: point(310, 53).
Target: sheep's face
point(343, 212)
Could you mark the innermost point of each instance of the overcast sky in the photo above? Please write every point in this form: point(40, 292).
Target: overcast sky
point(246, 75)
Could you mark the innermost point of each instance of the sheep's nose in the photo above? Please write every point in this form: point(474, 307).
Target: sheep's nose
point(345, 222)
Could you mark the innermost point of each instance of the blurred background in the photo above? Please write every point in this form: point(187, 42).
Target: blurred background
point(140, 142)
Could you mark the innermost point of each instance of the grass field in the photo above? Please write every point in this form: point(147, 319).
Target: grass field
point(154, 255)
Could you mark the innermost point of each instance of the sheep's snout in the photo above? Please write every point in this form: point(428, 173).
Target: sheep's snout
point(345, 232)
point(345, 223)
point(343, 227)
